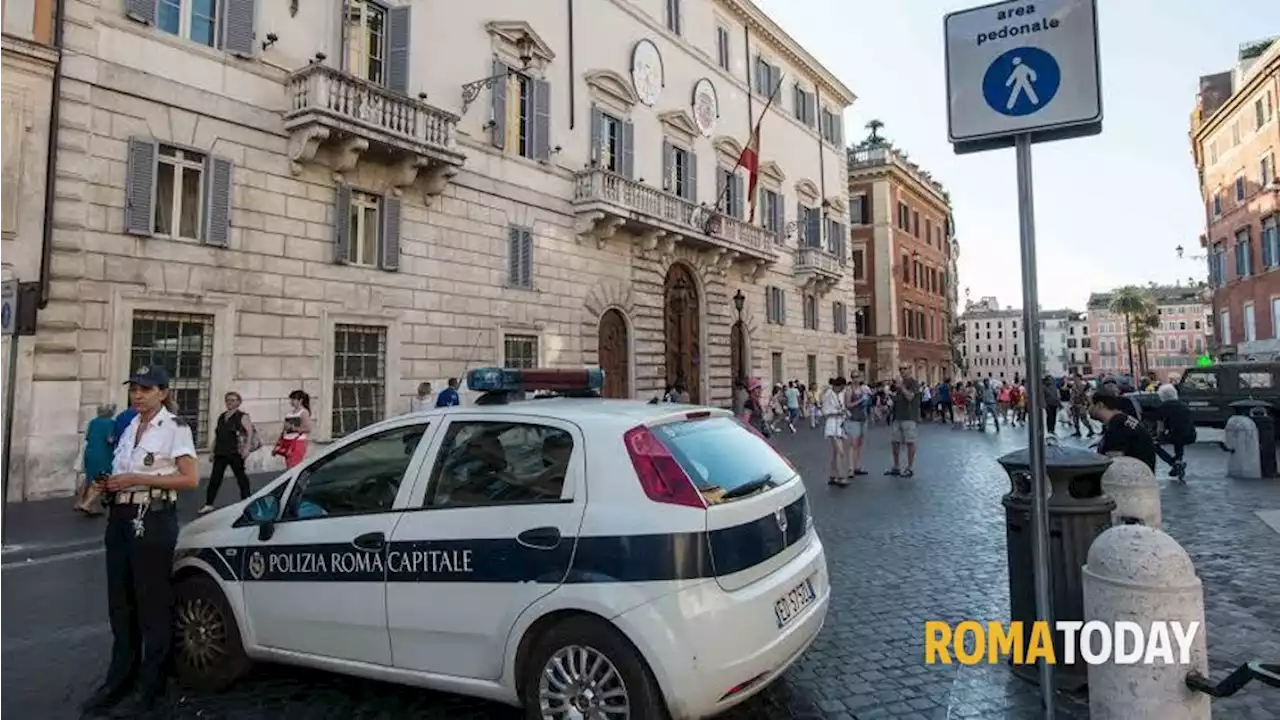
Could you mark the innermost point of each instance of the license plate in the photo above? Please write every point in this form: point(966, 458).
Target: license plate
point(790, 605)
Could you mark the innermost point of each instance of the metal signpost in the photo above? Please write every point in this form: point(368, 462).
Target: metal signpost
point(9, 329)
point(1020, 73)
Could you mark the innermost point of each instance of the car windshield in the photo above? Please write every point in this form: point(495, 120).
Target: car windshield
point(723, 458)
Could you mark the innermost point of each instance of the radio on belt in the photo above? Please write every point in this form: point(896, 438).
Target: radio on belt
point(498, 384)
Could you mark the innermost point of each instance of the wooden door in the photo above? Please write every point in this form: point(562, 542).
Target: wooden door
point(614, 351)
point(683, 331)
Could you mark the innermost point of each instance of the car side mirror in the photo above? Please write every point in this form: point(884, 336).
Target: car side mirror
point(264, 512)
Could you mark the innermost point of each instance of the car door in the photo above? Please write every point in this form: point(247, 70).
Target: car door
point(496, 517)
point(317, 584)
point(1199, 390)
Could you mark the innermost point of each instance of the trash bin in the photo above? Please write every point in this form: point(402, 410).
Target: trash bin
point(1262, 413)
point(1079, 511)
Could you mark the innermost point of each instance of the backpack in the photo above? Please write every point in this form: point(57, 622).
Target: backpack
point(252, 442)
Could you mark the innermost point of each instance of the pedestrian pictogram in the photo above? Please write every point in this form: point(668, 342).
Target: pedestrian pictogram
point(1021, 81)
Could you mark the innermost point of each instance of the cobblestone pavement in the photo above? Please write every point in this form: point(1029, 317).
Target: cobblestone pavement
point(900, 551)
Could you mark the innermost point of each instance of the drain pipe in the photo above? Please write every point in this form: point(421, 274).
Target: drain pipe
point(51, 156)
point(572, 73)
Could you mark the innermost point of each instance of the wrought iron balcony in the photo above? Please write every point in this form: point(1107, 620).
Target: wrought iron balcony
point(606, 202)
point(340, 117)
point(817, 267)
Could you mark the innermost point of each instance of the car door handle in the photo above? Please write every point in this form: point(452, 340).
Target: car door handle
point(543, 538)
point(373, 542)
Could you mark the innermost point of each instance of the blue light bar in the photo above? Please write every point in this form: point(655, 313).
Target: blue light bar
point(504, 380)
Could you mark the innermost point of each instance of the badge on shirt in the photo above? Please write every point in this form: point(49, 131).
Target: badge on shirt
point(149, 460)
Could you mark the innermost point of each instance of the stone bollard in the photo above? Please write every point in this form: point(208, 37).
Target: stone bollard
point(1141, 575)
point(1133, 486)
point(1242, 439)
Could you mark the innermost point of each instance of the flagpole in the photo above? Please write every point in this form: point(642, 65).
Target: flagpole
point(754, 129)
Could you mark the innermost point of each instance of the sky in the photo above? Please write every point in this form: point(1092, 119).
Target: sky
point(1110, 209)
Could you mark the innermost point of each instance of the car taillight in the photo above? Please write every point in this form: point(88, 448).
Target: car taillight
point(661, 476)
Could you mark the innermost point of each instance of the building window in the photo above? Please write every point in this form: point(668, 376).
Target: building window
point(839, 318)
point(775, 306)
point(183, 345)
point(859, 210)
point(1250, 328)
point(1266, 170)
point(1270, 241)
point(811, 312)
point(1224, 326)
point(860, 320)
point(906, 268)
point(1262, 108)
point(681, 172)
point(771, 214)
point(915, 223)
point(730, 190)
point(520, 114)
point(609, 150)
point(366, 40)
point(1275, 318)
point(364, 227)
point(1218, 263)
point(179, 196)
point(1239, 185)
point(520, 257)
point(722, 47)
point(1244, 254)
point(928, 231)
point(359, 377)
point(1217, 205)
point(804, 102)
point(904, 217)
point(519, 352)
point(832, 127)
point(673, 16)
point(837, 243)
point(775, 366)
point(195, 20)
point(859, 265)
point(768, 78)
point(811, 364)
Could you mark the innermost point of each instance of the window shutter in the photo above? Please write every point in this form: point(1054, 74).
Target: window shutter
point(628, 150)
point(139, 189)
point(498, 129)
point(814, 221)
point(341, 222)
point(739, 190)
point(217, 201)
point(668, 181)
point(802, 228)
point(541, 120)
point(390, 255)
point(692, 180)
point(768, 304)
point(144, 11)
point(513, 256)
point(866, 209)
point(760, 73)
point(722, 202)
point(399, 31)
point(237, 26)
point(526, 258)
point(597, 133)
point(782, 306)
point(780, 220)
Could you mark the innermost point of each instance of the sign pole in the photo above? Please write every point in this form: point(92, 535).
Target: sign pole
point(10, 382)
point(1035, 406)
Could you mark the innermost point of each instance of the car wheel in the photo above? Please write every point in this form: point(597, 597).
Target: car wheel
point(584, 668)
point(209, 653)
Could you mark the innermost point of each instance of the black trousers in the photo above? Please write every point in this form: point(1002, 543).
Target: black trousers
point(140, 596)
point(220, 465)
point(1051, 419)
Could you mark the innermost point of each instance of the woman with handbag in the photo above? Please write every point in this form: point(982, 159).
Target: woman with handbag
point(292, 445)
point(233, 440)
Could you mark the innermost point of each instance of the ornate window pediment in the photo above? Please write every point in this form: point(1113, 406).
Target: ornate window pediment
point(680, 123)
point(837, 205)
point(727, 148)
point(506, 35)
point(770, 170)
point(807, 190)
point(612, 88)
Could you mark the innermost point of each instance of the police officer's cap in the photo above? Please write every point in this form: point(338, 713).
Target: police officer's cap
point(149, 376)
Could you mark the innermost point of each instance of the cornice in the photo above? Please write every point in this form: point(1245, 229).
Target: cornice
point(29, 49)
point(755, 18)
point(1214, 122)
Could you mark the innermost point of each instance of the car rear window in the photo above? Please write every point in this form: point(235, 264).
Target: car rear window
point(720, 455)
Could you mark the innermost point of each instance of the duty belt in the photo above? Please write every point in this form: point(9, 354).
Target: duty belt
point(143, 497)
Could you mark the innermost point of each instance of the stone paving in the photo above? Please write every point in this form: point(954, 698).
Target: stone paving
point(901, 551)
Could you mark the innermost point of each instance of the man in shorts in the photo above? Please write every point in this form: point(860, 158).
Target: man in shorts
point(906, 416)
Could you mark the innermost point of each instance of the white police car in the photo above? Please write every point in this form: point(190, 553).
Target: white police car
point(579, 557)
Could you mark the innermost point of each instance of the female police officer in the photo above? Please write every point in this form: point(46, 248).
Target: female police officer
point(154, 459)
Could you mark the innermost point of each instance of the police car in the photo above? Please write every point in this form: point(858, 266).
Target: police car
point(576, 556)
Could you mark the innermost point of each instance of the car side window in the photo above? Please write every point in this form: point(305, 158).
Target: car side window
point(1200, 381)
point(499, 463)
point(1256, 380)
point(361, 478)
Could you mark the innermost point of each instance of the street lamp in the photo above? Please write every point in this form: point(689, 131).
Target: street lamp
point(472, 90)
point(739, 300)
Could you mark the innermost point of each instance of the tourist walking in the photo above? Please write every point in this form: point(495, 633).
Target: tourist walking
point(832, 408)
point(906, 416)
point(233, 440)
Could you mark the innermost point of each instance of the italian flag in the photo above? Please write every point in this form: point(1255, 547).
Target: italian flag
point(750, 161)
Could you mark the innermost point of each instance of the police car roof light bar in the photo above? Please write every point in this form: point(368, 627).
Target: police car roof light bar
point(534, 379)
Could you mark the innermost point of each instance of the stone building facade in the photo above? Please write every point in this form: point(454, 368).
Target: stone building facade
point(1235, 141)
point(353, 197)
point(904, 264)
point(993, 348)
point(1182, 333)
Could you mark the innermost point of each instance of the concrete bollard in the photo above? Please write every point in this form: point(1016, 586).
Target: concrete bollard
point(1141, 575)
point(1241, 437)
point(1133, 486)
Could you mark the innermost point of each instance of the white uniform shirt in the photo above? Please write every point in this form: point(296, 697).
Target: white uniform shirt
point(164, 441)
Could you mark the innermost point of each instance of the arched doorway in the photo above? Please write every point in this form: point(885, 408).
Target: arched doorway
point(737, 359)
point(615, 354)
point(683, 331)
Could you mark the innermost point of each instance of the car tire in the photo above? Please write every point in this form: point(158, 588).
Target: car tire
point(588, 638)
point(208, 648)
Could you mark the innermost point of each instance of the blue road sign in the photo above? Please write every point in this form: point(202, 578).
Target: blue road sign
point(1021, 81)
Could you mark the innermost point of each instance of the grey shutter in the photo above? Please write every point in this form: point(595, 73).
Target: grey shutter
point(237, 26)
point(389, 258)
point(782, 306)
point(722, 201)
point(399, 31)
point(628, 149)
point(541, 120)
point(802, 227)
point(498, 128)
point(814, 221)
point(811, 103)
point(780, 223)
point(526, 258)
point(760, 73)
point(597, 133)
point(668, 182)
point(691, 179)
point(139, 187)
point(513, 256)
point(144, 11)
point(217, 201)
point(341, 222)
point(739, 190)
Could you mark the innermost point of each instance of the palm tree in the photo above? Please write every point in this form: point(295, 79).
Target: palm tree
point(1134, 304)
point(874, 126)
point(1143, 330)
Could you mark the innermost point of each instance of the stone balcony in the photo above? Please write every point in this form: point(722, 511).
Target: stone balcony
point(336, 118)
point(606, 202)
point(816, 269)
